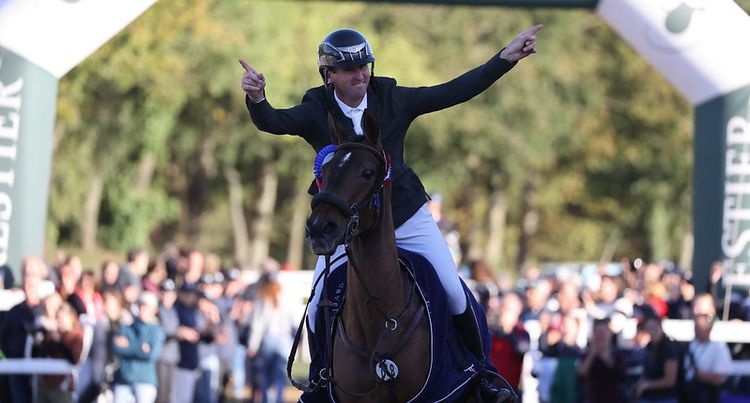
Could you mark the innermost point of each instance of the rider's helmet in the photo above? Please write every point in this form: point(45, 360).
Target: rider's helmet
point(343, 47)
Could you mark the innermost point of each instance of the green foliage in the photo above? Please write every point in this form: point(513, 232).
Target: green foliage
point(127, 218)
point(603, 140)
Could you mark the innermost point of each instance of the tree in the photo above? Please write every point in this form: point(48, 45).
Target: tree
point(563, 159)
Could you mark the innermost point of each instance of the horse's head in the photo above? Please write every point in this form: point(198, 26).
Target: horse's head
point(350, 178)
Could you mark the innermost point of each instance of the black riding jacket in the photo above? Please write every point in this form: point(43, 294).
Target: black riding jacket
point(395, 108)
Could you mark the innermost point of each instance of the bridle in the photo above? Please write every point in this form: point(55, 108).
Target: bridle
point(373, 200)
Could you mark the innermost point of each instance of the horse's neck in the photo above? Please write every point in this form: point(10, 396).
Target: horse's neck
point(377, 274)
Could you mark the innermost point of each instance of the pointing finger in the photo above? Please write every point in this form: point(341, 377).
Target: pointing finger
point(534, 29)
point(245, 65)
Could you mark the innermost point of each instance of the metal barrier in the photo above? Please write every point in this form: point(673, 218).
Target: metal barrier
point(35, 366)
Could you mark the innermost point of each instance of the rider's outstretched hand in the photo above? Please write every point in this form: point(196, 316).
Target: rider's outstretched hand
point(522, 45)
point(253, 82)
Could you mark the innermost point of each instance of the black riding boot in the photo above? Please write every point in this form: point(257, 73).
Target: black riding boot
point(492, 387)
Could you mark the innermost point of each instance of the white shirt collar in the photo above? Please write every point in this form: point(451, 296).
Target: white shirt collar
point(355, 114)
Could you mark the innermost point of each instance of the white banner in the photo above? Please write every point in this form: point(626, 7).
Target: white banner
point(701, 46)
point(59, 34)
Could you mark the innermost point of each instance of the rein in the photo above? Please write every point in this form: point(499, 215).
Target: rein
point(326, 304)
point(391, 324)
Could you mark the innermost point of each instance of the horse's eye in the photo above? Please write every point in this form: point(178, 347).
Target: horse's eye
point(368, 174)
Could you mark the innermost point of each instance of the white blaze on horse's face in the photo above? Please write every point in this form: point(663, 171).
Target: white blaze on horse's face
point(345, 160)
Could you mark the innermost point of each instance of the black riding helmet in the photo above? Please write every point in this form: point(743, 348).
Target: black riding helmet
point(343, 48)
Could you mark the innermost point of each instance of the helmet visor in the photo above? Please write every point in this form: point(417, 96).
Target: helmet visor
point(344, 56)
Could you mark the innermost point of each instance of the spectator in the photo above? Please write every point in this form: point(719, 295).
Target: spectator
point(64, 340)
point(47, 320)
point(194, 266)
point(135, 268)
point(560, 337)
point(91, 377)
point(671, 278)
point(243, 312)
point(156, 273)
point(170, 255)
point(706, 363)
point(482, 282)
point(568, 301)
point(137, 347)
point(529, 276)
point(114, 311)
point(207, 387)
point(568, 353)
point(559, 354)
point(655, 295)
point(68, 283)
point(129, 278)
point(603, 366)
point(231, 353)
point(116, 317)
point(19, 323)
point(537, 295)
point(680, 307)
point(192, 324)
point(170, 355)
point(510, 341)
point(271, 328)
point(652, 273)
point(76, 264)
point(603, 305)
point(657, 384)
point(90, 297)
point(110, 273)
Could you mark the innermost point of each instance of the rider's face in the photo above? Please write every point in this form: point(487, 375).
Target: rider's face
point(350, 83)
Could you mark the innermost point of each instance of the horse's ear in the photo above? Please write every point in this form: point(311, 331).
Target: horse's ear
point(371, 127)
point(338, 134)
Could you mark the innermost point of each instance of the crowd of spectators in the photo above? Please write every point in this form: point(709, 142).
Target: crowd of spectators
point(181, 328)
point(596, 335)
point(175, 329)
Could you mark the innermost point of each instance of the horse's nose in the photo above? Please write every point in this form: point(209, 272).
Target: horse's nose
point(320, 228)
point(323, 235)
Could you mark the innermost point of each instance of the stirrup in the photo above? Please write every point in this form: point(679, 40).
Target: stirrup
point(494, 388)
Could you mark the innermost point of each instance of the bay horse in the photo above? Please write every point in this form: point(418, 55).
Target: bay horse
point(381, 341)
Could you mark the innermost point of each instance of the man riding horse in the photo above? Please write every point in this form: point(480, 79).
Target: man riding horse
point(346, 64)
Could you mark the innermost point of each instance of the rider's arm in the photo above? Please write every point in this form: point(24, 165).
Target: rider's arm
point(292, 120)
point(423, 100)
